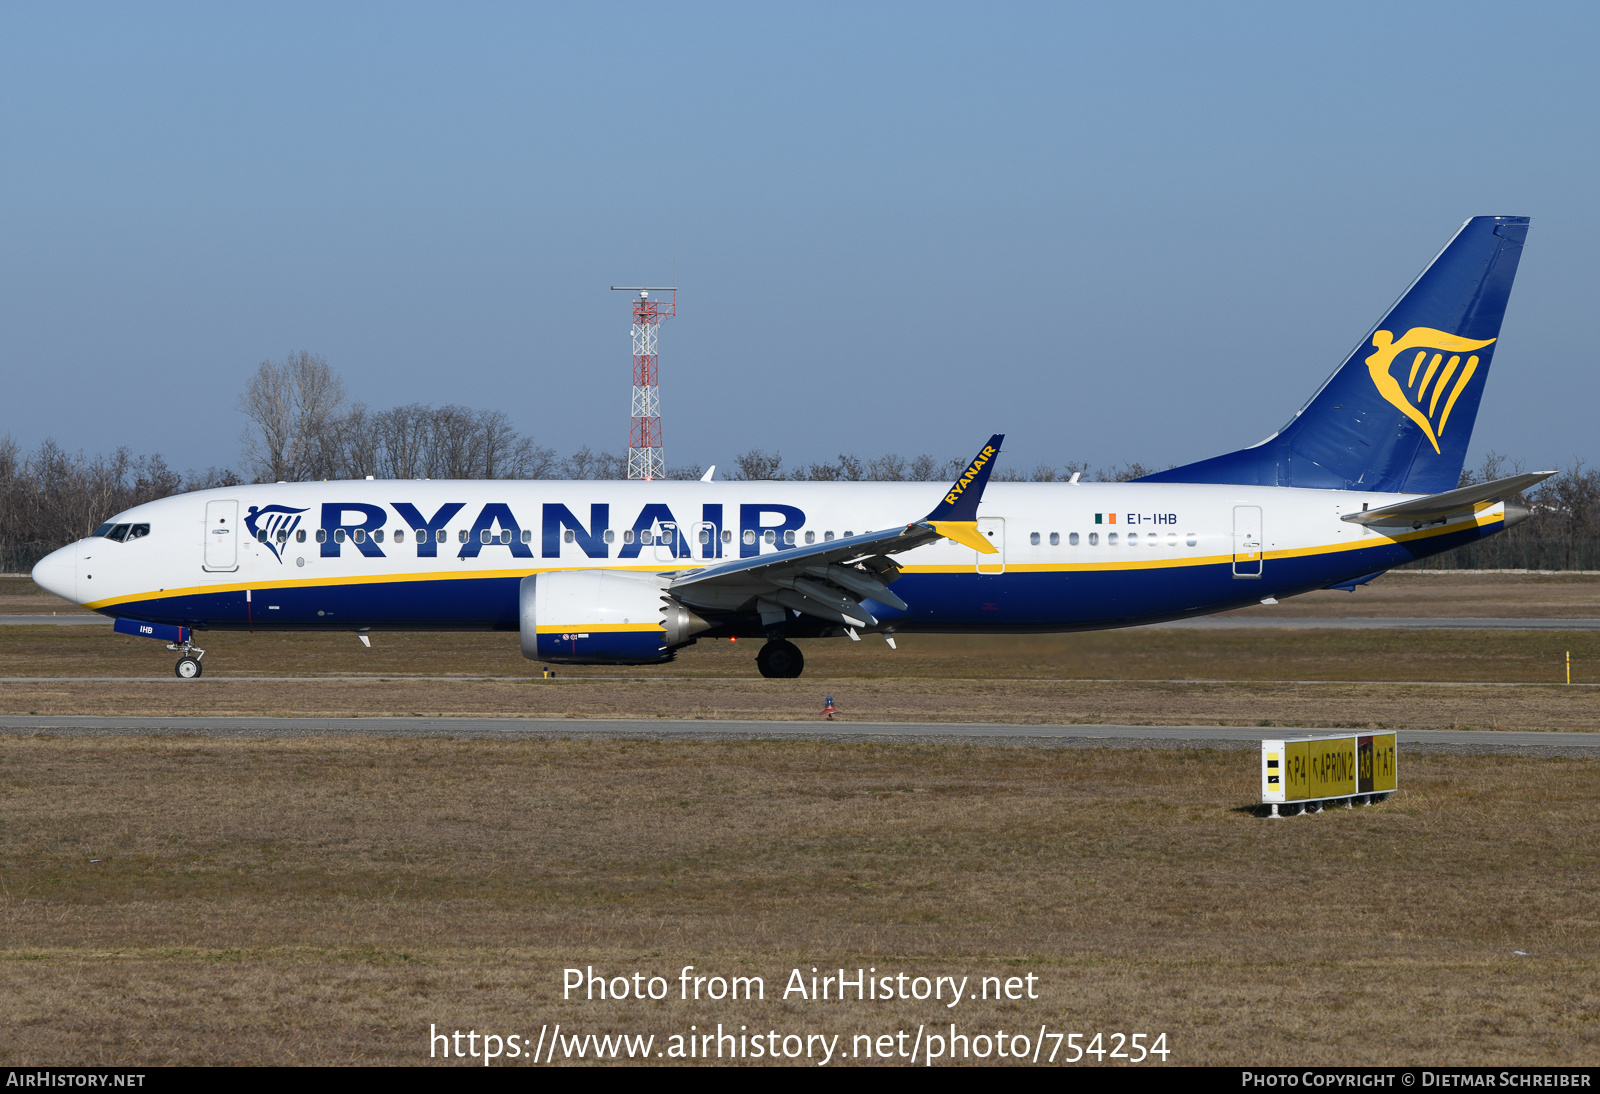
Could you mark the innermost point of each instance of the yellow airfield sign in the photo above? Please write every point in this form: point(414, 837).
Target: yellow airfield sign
point(1316, 769)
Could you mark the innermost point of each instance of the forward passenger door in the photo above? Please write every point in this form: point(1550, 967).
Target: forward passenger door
point(222, 536)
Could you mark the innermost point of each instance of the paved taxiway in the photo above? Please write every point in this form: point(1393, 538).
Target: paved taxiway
point(1583, 744)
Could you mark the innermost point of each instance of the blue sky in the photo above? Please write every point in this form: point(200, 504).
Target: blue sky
point(1114, 232)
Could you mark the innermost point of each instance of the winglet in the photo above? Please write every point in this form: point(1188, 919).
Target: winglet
point(957, 515)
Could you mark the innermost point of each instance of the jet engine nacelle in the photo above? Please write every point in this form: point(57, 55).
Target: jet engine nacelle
point(603, 617)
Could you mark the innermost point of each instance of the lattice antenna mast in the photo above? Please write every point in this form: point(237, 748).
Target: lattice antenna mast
point(645, 456)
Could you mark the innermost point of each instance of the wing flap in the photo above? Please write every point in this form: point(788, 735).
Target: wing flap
point(1436, 507)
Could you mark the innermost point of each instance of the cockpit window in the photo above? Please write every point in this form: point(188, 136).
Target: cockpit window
point(121, 533)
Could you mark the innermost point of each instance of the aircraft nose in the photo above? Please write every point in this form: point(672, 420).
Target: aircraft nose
point(58, 572)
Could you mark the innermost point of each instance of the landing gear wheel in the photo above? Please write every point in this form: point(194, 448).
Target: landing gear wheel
point(780, 660)
point(188, 668)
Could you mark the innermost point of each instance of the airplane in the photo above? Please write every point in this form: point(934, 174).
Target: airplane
point(1362, 479)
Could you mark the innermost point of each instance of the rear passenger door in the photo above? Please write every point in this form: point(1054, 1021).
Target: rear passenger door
point(1247, 544)
point(222, 536)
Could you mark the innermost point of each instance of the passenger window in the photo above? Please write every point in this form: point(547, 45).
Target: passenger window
point(1191, 539)
point(261, 535)
point(749, 535)
point(283, 537)
point(1172, 539)
point(483, 535)
point(1055, 539)
point(338, 535)
point(442, 537)
point(377, 537)
point(770, 536)
point(1111, 539)
point(505, 535)
point(461, 536)
point(705, 536)
point(811, 537)
point(826, 536)
point(627, 535)
point(570, 537)
point(118, 533)
point(1094, 539)
point(1073, 539)
point(300, 536)
point(322, 535)
point(646, 538)
point(788, 538)
point(138, 531)
point(360, 535)
point(609, 536)
point(727, 535)
point(1133, 538)
point(848, 534)
point(527, 535)
point(1033, 538)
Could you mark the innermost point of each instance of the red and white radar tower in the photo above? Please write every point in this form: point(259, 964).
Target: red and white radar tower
point(645, 458)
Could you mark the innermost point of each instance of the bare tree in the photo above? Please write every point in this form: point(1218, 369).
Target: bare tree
point(890, 468)
point(580, 465)
point(294, 407)
point(532, 461)
point(357, 448)
point(405, 432)
point(1125, 473)
point(53, 497)
point(757, 464)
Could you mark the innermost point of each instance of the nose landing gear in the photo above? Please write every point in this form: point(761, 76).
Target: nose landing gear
point(780, 659)
point(188, 666)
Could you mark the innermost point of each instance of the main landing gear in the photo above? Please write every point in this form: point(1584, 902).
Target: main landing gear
point(779, 660)
point(188, 666)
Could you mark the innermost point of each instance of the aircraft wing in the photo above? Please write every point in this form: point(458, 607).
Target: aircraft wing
point(1437, 507)
point(830, 580)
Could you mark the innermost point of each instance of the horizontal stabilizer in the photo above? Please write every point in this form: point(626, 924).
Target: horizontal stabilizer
point(1440, 506)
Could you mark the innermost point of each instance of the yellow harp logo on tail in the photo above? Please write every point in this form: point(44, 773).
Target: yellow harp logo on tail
point(1426, 381)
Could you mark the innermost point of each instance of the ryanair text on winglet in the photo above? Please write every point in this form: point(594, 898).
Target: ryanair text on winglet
point(969, 474)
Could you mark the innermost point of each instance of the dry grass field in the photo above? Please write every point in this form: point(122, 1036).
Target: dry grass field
point(1174, 677)
point(326, 900)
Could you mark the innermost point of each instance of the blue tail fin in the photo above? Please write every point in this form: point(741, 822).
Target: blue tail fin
point(1398, 414)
